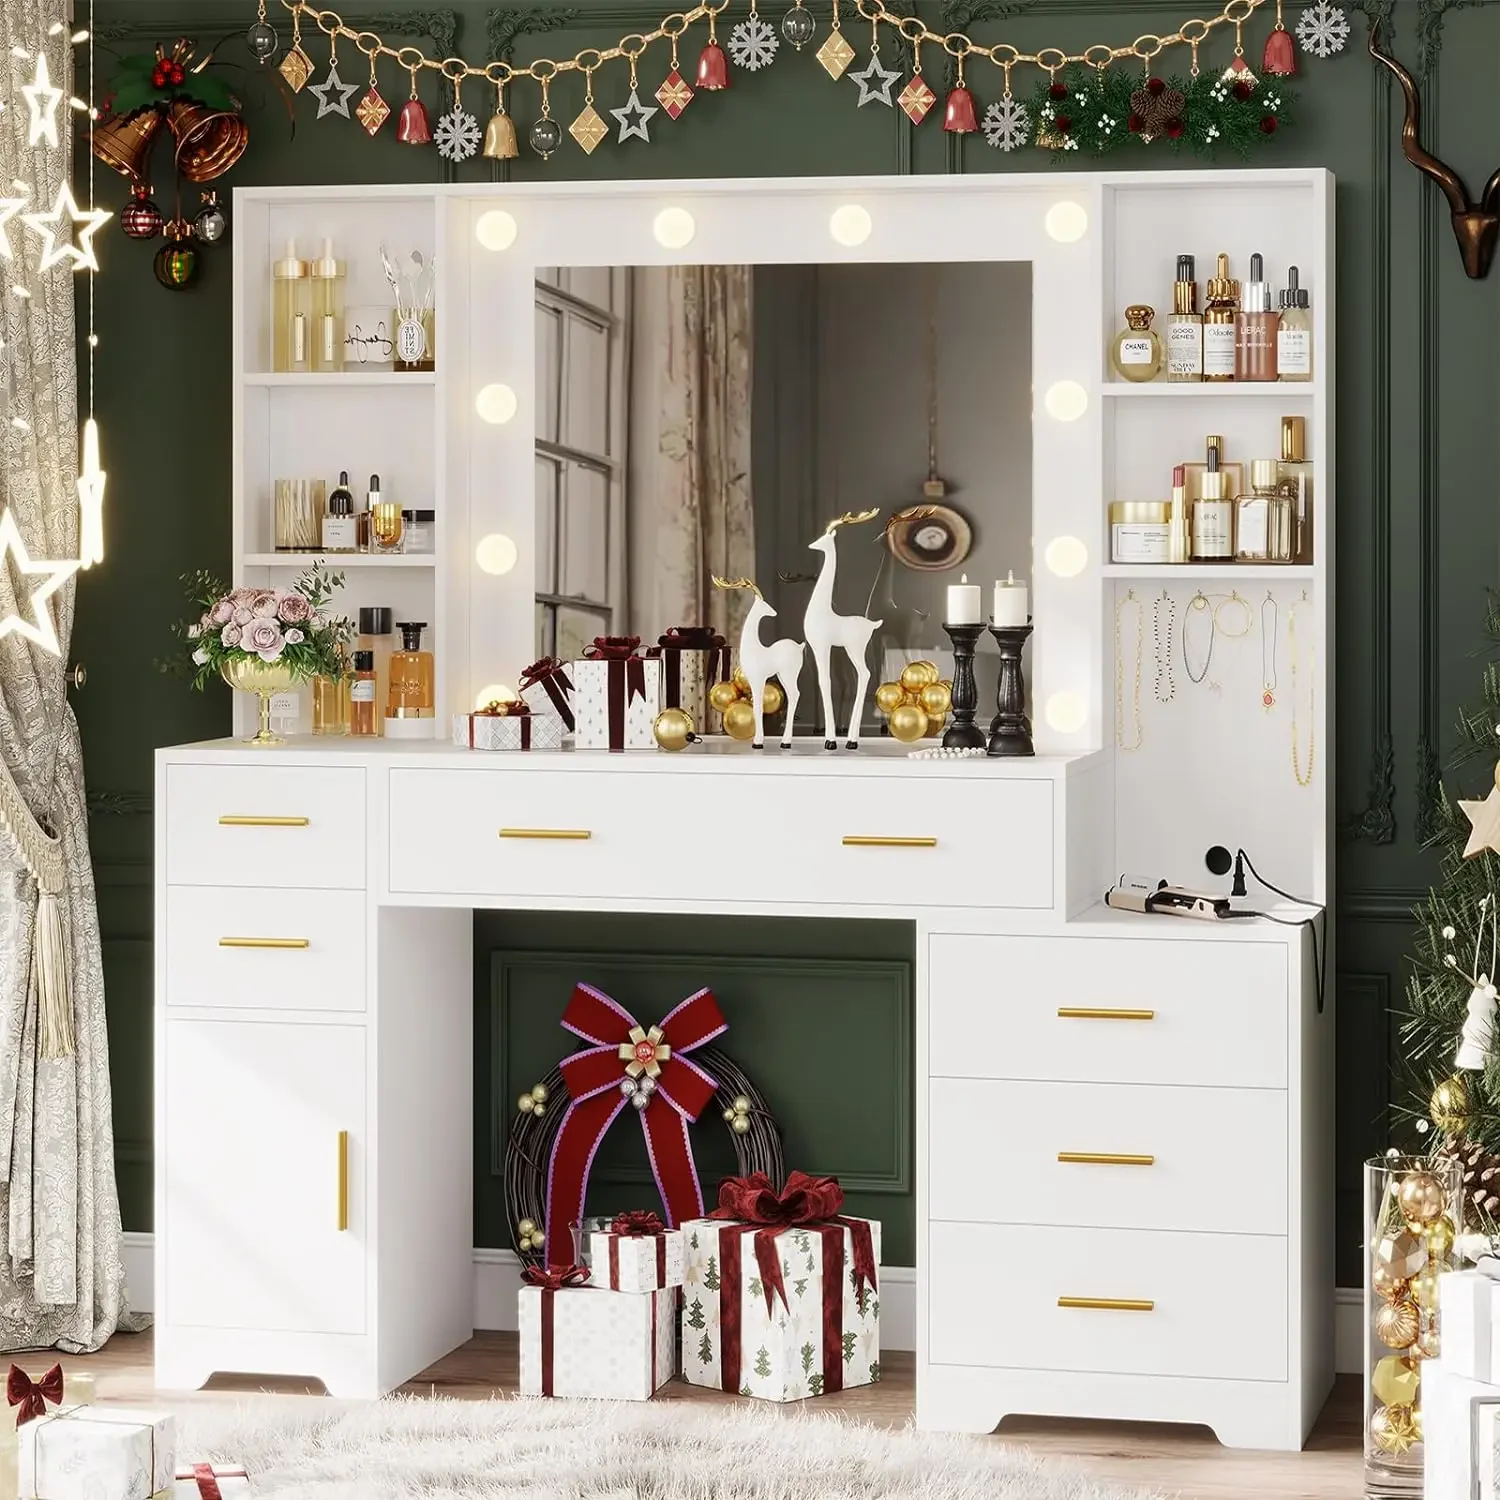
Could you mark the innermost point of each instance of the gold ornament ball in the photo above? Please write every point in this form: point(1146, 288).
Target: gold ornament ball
point(1430, 1344)
point(539, 1092)
point(1440, 1235)
point(729, 1117)
point(774, 700)
point(673, 729)
point(1393, 1430)
point(738, 678)
point(1449, 1105)
point(526, 1228)
point(1392, 1288)
point(935, 699)
point(1395, 1380)
point(1420, 1197)
point(1424, 1286)
point(908, 723)
point(740, 1124)
point(721, 695)
point(915, 675)
point(739, 721)
point(1400, 1255)
point(525, 1104)
point(741, 1104)
point(1397, 1324)
point(889, 696)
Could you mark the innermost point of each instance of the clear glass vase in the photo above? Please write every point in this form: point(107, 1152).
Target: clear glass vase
point(1412, 1208)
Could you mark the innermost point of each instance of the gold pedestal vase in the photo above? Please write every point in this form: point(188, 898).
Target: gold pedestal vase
point(249, 674)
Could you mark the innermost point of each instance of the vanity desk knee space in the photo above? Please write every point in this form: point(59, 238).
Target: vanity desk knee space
point(1123, 1124)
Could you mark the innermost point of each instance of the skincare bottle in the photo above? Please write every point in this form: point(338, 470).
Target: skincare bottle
point(362, 718)
point(375, 636)
point(362, 518)
point(1179, 520)
point(340, 530)
point(1213, 516)
point(1234, 473)
point(1255, 328)
point(290, 346)
point(327, 311)
point(1294, 479)
point(1263, 518)
point(1294, 333)
point(386, 524)
point(411, 703)
point(1136, 352)
point(1185, 326)
point(419, 529)
point(1223, 294)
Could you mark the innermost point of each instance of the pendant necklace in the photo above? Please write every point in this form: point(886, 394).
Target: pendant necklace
point(1303, 779)
point(1135, 705)
point(1246, 620)
point(1198, 609)
point(1161, 633)
point(1269, 626)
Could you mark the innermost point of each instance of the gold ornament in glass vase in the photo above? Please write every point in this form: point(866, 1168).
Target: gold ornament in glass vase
point(1397, 1324)
point(1421, 1200)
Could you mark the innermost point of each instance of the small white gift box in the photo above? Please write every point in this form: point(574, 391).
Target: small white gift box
point(547, 688)
point(210, 1482)
point(528, 731)
point(643, 1261)
point(615, 702)
point(587, 1341)
point(98, 1453)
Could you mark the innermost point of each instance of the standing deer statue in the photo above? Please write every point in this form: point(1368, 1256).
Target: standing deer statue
point(781, 659)
point(825, 629)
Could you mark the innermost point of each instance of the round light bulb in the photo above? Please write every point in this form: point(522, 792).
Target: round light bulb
point(674, 228)
point(496, 553)
point(1066, 556)
point(497, 403)
point(496, 229)
point(1067, 221)
point(1066, 400)
point(494, 692)
point(1066, 712)
point(850, 225)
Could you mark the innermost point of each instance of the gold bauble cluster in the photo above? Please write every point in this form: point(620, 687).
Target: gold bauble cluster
point(732, 699)
point(915, 705)
point(534, 1100)
point(529, 1235)
point(737, 1116)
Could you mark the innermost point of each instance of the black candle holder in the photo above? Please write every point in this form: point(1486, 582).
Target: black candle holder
point(1010, 729)
point(964, 733)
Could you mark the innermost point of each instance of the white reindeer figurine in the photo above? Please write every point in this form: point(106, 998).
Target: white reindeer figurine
point(781, 659)
point(826, 629)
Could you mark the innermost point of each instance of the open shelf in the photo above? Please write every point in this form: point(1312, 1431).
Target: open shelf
point(1230, 390)
point(341, 377)
point(1198, 572)
point(337, 560)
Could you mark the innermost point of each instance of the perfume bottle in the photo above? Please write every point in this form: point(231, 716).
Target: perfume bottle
point(362, 718)
point(1185, 326)
point(1223, 294)
point(290, 347)
point(375, 636)
point(411, 703)
point(1213, 516)
point(1136, 353)
point(340, 529)
point(327, 310)
point(1294, 352)
point(1263, 527)
point(1294, 479)
point(1255, 328)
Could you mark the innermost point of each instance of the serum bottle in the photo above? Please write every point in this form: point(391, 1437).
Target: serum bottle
point(340, 526)
point(1255, 328)
point(1213, 516)
point(1185, 326)
point(1223, 294)
point(1294, 332)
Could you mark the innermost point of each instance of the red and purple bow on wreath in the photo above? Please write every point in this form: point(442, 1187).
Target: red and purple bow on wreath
point(628, 1064)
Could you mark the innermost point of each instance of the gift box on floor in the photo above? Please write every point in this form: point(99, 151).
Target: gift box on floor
point(637, 1253)
point(1460, 1435)
point(210, 1482)
point(693, 658)
point(546, 686)
point(98, 1453)
point(509, 726)
point(1469, 1317)
point(765, 1277)
point(579, 1340)
point(616, 696)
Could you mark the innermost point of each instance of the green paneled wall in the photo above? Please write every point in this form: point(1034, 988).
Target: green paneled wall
point(1418, 526)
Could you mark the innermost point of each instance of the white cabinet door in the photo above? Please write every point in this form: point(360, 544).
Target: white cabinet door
point(264, 1164)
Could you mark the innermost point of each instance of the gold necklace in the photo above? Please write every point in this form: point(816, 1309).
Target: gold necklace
point(1198, 606)
point(1291, 635)
point(1140, 636)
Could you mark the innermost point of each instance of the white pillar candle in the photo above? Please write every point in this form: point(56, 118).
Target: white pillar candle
point(1010, 603)
point(963, 603)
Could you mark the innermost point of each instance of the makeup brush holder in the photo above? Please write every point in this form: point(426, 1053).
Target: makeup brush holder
point(1010, 729)
point(964, 733)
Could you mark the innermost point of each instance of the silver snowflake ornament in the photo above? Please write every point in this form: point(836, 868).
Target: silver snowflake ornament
point(1006, 124)
point(753, 44)
point(457, 135)
point(1323, 29)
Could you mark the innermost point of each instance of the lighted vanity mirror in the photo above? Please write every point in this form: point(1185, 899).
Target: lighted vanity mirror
point(701, 420)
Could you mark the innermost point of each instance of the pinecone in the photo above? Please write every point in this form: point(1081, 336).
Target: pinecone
point(1481, 1184)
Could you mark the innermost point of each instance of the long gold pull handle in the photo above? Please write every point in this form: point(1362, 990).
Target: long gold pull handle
point(882, 841)
point(1105, 1159)
point(239, 942)
point(343, 1181)
point(1107, 1304)
point(545, 833)
point(239, 820)
point(1098, 1013)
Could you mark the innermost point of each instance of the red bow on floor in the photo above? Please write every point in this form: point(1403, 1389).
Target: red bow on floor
point(31, 1395)
point(637, 1221)
point(555, 1278)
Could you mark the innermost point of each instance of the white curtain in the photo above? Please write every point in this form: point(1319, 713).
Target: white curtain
point(61, 1280)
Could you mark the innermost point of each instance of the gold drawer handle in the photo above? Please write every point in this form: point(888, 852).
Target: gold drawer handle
point(545, 833)
point(1104, 1159)
point(239, 942)
point(343, 1207)
point(239, 820)
point(1097, 1013)
point(883, 841)
point(1107, 1304)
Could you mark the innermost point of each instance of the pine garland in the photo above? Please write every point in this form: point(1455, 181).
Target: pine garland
point(1097, 111)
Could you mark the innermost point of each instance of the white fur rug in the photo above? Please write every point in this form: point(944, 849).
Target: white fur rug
point(583, 1450)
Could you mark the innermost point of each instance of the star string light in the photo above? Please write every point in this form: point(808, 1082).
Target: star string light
point(42, 100)
point(14, 556)
point(79, 247)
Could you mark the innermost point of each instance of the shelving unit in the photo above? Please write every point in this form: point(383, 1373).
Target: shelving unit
point(340, 379)
point(1247, 390)
point(1209, 572)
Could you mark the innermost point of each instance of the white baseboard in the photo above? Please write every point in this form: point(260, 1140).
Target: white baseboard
point(1348, 1330)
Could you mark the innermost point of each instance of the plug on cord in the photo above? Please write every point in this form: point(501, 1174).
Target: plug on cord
point(1219, 861)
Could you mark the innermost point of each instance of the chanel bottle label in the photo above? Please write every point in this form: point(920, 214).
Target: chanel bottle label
point(1136, 351)
point(1218, 349)
point(411, 340)
point(1185, 348)
point(1294, 351)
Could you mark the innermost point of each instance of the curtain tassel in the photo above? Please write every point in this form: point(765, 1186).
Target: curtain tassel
point(49, 977)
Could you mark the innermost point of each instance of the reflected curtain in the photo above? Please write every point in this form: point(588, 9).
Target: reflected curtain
point(61, 1279)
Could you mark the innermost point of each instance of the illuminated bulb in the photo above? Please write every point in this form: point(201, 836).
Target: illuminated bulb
point(74, 102)
point(850, 225)
point(495, 692)
point(1066, 556)
point(1066, 401)
point(674, 228)
point(496, 229)
point(20, 424)
point(55, 29)
point(91, 499)
point(93, 341)
point(1067, 222)
point(496, 403)
point(1066, 712)
point(21, 291)
point(496, 553)
point(79, 36)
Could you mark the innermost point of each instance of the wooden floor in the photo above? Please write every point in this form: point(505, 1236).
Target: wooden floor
point(1187, 1461)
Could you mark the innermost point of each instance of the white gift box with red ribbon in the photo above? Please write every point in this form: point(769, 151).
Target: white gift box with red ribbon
point(210, 1482)
point(636, 1262)
point(589, 1342)
point(98, 1453)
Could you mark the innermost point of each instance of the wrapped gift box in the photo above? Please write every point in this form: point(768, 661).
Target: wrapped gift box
point(628, 1257)
point(693, 658)
point(98, 1453)
point(616, 699)
point(210, 1482)
point(510, 731)
point(547, 688)
point(779, 1354)
point(1469, 1312)
point(587, 1341)
point(1460, 1434)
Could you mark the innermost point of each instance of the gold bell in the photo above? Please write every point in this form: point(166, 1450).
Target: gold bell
point(125, 144)
point(209, 142)
point(500, 137)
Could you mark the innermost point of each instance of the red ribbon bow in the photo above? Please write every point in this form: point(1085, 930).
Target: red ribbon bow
point(690, 638)
point(593, 1076)
point(637, 1221)
point(540, 669)
point(554, 1278)
point(612, 647)
point(31, 1395)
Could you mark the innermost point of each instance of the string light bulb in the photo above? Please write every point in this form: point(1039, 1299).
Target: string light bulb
point(91, 480)
point(42, 100)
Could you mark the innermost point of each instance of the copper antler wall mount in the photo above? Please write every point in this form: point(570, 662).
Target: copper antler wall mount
point(1476, 226)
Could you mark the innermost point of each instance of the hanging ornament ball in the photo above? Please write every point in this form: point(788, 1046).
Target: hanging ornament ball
point(261, 39)
point(176, 265)
point(141, 219)
point(739, 721)
point(1440, 1235)
point(773, 700)
point(1393, 1430)
point(740, 1124)
point(1449, 1105)
point(936, 699)
point(798, 25)
point(916, 675)
point(1395, 1380)
point(1420, 1197)
point(721, 695)
point(546, 136)
point(1397, 1324)
point(908, 723)
point(210, 223)
point(888, 696)
point(673, 729)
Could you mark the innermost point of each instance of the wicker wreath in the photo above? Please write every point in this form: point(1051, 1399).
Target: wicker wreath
point(757, 1144)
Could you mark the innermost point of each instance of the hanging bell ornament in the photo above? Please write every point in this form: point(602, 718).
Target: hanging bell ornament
point(413, 128)
point(176, 264)
point(958, 112)
point(141, 219)
point(500, 142)
point(797, 25)
point(210, 223)
point(713, 66)
point(1280, 56)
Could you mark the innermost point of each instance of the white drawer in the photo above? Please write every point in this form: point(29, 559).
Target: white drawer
point(236, 948)
point(1189, 1134)
point(1218, 1303)
point(1177, 1011)
point(266, 826)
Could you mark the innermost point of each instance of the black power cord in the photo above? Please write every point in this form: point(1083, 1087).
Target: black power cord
point(1219, 861)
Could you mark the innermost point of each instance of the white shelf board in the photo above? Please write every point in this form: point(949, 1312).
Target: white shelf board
point(1198, 571)
point(1229, 390)
point(337, 560)
point(340, 378)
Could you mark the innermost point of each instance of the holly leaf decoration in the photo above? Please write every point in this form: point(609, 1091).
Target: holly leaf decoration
point(133, 89)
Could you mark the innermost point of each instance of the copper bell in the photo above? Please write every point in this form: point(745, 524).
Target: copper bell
point(500, 137)
point(209, 142)
point(413, 128)
point(125, 144)
point(713, 67)
point(958, 114)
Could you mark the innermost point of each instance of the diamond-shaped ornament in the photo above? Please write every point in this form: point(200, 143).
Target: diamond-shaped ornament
point(835, 54)
point(588, 129)
point(372, 111)
point(296, 68)
point(674, 94)
point(916, 99)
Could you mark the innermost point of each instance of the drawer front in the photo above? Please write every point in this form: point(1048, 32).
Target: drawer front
point(1127, 1156)
point(1201, 1306)
point(263, 825)
point(265, 950)
point(1109, 1010)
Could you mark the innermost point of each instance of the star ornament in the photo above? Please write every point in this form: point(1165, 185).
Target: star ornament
point(632, 116)
point(15, 558)
point(79, 247)
point(333, 84)
point(875, 82)
point(42, 100)
point(1484, 821)
point(9, 208)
